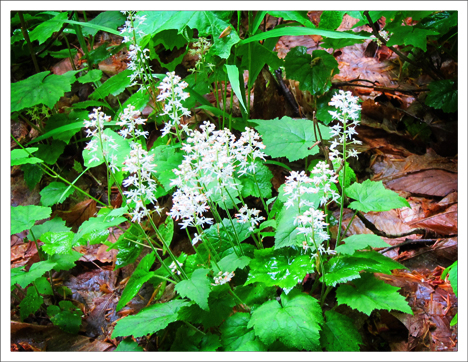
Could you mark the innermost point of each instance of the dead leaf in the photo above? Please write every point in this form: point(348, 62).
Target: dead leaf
point(428, 182)
point(445, 223)
point(78, 214)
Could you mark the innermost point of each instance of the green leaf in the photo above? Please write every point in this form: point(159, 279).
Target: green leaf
point(331, 19)
point(359, 242)
point(328, 43)
point(441, 21)
point(296, 322)
point(121, 152)
point(32, 175)
point(31, 303)
point(65, 261)
point(139, 100)
point(67, 317)
point(114, 85)
point(339, 333)
point(24, 217)
point(40, 88)
point(149, 320)
point(61, 54)
point(86, 104)
point(141, 275)
point(296, 31)
point(372, 196)
point(232, 262)
point(43, 286)
point(313, 72)
point(281, 267)
point(55, 193)
point(263, 177)
point(220, 233)
point(288, 137)
point(454, 320)
point(443, 95)
point(369, 293)
point(51, 153)
point(45, 29)
point(58, 242)
point(410, 35)
point(110, 19)
point(188, 339)
point(234, 332)
point(53, 126)
point(21, 157)
point(255, 294)
point(127, 345)
point(166, 158)
point(128, 250)
point(299, 16)
point(197, 288)
point(36, 271)
point(233, 75)
point(94, 75)
point(97, 224)
point(453, 278)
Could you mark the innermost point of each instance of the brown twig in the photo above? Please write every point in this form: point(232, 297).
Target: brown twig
point(287, 92)
point(407, 242)
point(382, 89)
point(378, 232)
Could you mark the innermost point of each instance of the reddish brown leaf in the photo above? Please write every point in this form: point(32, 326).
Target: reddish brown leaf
point(78, 214)
point(445, 223)
point(24, 254)
point(428, 182)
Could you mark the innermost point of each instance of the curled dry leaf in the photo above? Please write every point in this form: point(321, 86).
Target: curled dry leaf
point(78, 214)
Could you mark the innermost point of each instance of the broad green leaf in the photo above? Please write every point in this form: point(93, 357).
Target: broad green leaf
point(454, 320)
point(86, 104)
point(128, 251)
point(232, 262)
point(255, 294)
point(369, 293)
point(233, 75)
point(221, 232)
point(128, 345)
point(234, 332)
point(94, 75)
point(61, 54)
point(43, 286)
point(410, 35)
point(339, 43)
point(24, 217)
point(331, 19)
point(350, 176)
point(163, 269)
point(288, 137)
point(32, 175)
point(122, 151)
point(296, 31)
point(55, 193)
point(339, 333)
point(67, 317)
point(93, 26)
point(41, 88)
point(45, 29)
point(359, 242)
point(21, 157)
point(149, 320)
point(139, 100)
point(188, 339)
point(62, 127)
point(453, 278)
point(197, 288)
point(261, 181)
point(441, 21)
point(443, 95)
point(51, 152)
point(114, 85)
point(314, 73)
point(295, 322)
point(97, 224)
point(282, 267)
point(36, 271)
point(65, 261)
point(110, 19)
point(299, 16)
point(373, 196)
point(31, 303)
point(58, 242)
point(166, 159)
point(141, 275)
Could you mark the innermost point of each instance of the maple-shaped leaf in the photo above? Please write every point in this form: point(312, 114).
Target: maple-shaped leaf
point(369, 293)
point(150, 319)
point(231, 262)
point(443, 95)
point(55, 193)
point(359, 242)
point(410, 35)
point(58, 242)
point(288, 137)
point(296, 322)
point(236, 336)
point(314, 73)
point(31, 303)
point(281, 267)
point(373, 196)
point(188, 339)
point(339, 333)
point(258, 184)
point(197, 288)
point(24, 217)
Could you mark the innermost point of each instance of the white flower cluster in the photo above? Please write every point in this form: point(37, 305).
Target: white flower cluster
point(385, 35)
point(172, 93)
point(140, 165)
point(200, 48)
point(208, 168)
point(130, 119)
point(95, 127)
point(136, 55)
point(223, 278)
point(347, 114)
point(174, 268)
point(249, 215)
point(312, 225)
point(323, 179)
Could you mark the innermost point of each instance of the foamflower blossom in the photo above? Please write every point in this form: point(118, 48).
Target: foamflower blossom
point(311, 223)
point(247, 215)
point(347, 115)
point(172, 94)
point(174, 268)
point(223, 278)
point(385, 35)
point(247, 149)
point(130, 120)
point(200, 49)
point(298, 184)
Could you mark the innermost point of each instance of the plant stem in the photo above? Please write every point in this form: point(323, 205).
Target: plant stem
point(28, 41)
